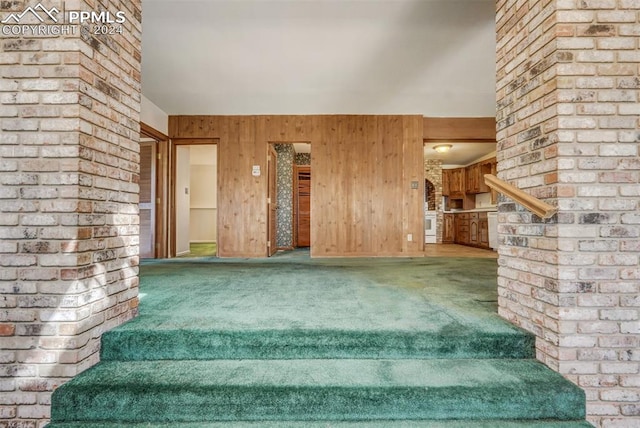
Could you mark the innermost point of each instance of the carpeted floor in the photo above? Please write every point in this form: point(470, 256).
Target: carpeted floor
point(378, 342)
point(202, 249)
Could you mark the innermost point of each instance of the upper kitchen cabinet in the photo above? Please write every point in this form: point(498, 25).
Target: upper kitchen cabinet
point(457, 183)
point(445, 182)
point(475, 176)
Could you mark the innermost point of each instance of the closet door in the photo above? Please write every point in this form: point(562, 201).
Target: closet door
point(303, 209)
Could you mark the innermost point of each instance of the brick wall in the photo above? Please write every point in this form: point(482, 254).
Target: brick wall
point(433, 173)
point(567, 98)
point(69, 113)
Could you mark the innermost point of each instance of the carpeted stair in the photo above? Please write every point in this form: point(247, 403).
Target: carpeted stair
point(453, 370)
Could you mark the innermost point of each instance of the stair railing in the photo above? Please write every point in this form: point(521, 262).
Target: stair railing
point(533, 204)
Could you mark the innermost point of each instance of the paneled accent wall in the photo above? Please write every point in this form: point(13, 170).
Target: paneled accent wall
point(568, 80)
point(363, 167)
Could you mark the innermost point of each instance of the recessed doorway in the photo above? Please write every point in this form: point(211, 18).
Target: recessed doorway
point(293, 195)
point(195, 200)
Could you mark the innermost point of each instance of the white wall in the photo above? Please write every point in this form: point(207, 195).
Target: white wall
point(183, 179)
point(204, 189)
point(153, 116)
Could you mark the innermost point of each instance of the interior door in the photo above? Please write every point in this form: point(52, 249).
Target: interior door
point(303, 209)
point(147, 197)
point(272, 202)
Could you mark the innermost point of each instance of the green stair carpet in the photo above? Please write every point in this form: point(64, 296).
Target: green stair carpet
point(305, 343)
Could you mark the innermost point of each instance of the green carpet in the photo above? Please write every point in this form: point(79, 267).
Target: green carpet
point(202, 249)
point(376, 341)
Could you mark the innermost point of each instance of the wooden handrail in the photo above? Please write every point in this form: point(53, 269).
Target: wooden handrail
point(533, 204)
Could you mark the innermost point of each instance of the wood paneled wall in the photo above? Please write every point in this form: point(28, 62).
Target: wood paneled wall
point(459, 128)
point(362, 169)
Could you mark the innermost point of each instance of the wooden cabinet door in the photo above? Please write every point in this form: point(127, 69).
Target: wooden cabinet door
point(449, 229)
point(473, 229)
point(457, 183)
point(471, 173)
point(483, 230)
point(445, 182)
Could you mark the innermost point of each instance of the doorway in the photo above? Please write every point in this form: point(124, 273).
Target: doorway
point(292, 225)
point(195, 199)
point(153, 202)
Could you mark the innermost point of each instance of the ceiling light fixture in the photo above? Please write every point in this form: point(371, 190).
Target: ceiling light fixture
point(442, 148)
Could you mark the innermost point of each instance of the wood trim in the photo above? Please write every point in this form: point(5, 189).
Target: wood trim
point(194, 141)
point(533, 204)
point(162, 200)
point(150, 132)
point(479, 129)
point(172, 186)
point(161, 247)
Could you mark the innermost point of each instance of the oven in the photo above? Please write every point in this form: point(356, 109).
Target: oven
point(430, 225)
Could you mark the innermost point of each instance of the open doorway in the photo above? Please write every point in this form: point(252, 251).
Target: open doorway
point(195, 200)
point(153, 203)
point(293, 195)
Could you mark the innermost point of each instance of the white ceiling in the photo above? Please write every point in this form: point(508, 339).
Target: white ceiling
point(461, 153)
point(427, 57)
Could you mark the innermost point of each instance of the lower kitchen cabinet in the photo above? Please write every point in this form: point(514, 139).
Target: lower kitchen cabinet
point(467, 229)
point(449, 229)
point(462, 229)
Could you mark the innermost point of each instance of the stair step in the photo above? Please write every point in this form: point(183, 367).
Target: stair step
point(333, 424)
point(317, 390)
point(132, 344)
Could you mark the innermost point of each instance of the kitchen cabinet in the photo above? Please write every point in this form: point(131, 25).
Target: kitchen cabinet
point(475, 176)
point(457, 183)
point(462, 229)
point(483, 230)
point(470, 228)
point(449, 228)
point(445, 182)
point(473, 229)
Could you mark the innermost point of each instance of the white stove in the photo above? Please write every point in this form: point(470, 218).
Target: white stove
point(430, 227)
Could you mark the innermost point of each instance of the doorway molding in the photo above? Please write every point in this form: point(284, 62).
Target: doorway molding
point(172, 186)
point(161, 228)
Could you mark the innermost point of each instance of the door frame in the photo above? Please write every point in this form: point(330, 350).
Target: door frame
point(161, 224)
point(296, 195)
point(272, 201)
point(172, 187)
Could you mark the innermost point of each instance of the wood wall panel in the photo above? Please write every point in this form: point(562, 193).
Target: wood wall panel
point(459, 128)
point(242, 209)
point(413, 170)
point(362, 201)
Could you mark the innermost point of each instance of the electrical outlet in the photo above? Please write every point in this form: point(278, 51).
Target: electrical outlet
point(410, 237)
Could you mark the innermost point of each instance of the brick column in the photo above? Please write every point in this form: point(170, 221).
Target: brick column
point(69, 114)
point(568, 109)
point(433, 173)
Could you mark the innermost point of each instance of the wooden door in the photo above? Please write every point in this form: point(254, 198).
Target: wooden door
point(303, 208)
point(147, 197)
point(449, 232)
point(272, 202)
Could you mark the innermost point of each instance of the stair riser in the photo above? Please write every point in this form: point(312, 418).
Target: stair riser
point(226, 403)
point(137, 346)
